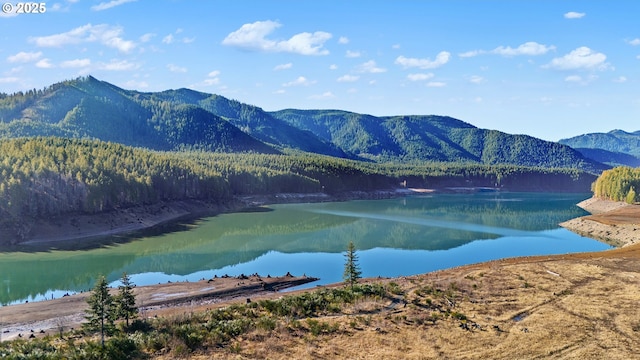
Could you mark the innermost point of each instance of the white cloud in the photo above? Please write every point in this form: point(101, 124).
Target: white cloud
point(441, 59)
point(333, 67)
point(436, 84)
point(253, 37)
point(348, 78)
point(395, 46)
point(580, 58)
point(476, 79)
point(471, 53)
point(420, 77)
point(76, 63)
point(343, 40)
point(176, 68)
point(212, 78)
point(324, 95)
point(370, 67)
point(300, 81)
point(620, 79)
point(635, 42)
point(10, 79)
point(573, 78)
point(44, 64)
point(24, 57)
point(118, 65)
point(283, 67)
point(102, 33)
point(531, 48)
point(147, 37)
point(574, 15)
point(353, 54)
point(167, 39)
point(110, 4)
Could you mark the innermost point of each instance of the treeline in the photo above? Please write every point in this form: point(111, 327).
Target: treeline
point(619, 184)
point(50, 176)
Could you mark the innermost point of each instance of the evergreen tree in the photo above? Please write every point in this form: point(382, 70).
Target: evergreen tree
point(351, 269)
point(100, 314)
point(125, 301)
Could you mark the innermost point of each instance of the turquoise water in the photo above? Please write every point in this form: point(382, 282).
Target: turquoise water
point(394, 237)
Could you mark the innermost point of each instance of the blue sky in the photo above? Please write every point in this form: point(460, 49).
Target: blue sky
point(548, 68)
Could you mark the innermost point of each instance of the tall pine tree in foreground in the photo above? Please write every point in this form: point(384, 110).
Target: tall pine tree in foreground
point(352, 271)
point(126, 300)
point(101, 312)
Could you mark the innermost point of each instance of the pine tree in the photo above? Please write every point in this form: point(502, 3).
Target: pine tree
point(125, 301)
point(351, 269)
point(101, 312)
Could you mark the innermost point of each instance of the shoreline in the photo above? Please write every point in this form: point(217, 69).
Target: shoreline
point(87, 230)
point(614, 223)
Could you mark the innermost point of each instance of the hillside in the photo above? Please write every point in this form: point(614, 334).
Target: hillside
point(439, 138)
point(184, 119)
point(617, 141)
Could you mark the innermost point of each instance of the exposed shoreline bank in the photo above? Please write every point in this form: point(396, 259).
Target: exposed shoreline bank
point(85, 230)
point(615, 223)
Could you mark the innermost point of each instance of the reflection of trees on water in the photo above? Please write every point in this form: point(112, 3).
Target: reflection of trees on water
point(233, 239)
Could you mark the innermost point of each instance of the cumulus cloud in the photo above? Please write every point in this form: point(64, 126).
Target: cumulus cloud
point(343, 40)
point(253, 37)
point(9, 79)
point(580, 58)
point(620, 79)
point(420, 77)
point(573, 78)
point(574, 15)
point(370, 67)
point(333, 67)
point(635, 42)
point(471, 53)
point(76, 63)
point(530, 48)
point(283, 66)
point(476, 79)
point(441, 59)
point(44, 64)
point(118, 65)
point(24, 57)
point(176, 68)
point(212, 78)
point(324, 95)
point(353, 54)
point(107, 35)
point(300, 81)
point(436, 84)
point(110, 4)
point(348, 78)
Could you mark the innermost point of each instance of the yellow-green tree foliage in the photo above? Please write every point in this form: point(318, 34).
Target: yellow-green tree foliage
point(619, 184)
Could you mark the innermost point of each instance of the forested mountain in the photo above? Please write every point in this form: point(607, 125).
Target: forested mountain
point(88, 108)
point(189, 120)
point(439, 138)
point(610, 158)
point(45, 177)
point(614, 141)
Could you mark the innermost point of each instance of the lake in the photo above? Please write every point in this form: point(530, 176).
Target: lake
point(393, 237)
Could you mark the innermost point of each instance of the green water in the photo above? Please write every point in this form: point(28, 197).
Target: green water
point(394, 237)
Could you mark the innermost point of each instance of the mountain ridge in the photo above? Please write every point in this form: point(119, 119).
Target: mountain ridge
point(187, 119)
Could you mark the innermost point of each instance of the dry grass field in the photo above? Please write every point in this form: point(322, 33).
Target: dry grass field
point(564, 307)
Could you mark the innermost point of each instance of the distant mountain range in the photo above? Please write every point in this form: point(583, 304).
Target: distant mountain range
point(184, 119)
point(616, 147)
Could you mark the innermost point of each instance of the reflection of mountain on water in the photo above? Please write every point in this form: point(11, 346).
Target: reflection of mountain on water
point(436, 223)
